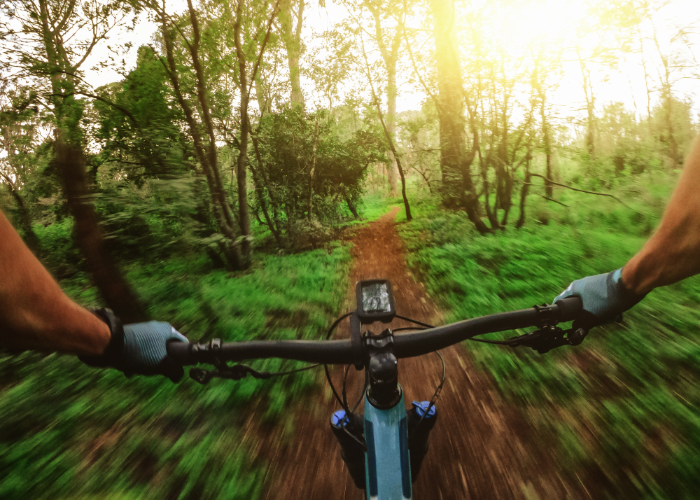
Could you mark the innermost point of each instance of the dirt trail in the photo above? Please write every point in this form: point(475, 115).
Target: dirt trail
point(479, 448)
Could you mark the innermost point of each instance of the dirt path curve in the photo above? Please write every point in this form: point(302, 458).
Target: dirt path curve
point(479, 448)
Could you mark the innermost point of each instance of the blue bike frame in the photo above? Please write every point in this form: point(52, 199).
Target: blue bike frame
point(387, 464)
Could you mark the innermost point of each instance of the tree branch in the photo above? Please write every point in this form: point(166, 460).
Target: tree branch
point(438, 105)
point(581, 190)
point(262, 49)
point(387, 134)
point(555, 201)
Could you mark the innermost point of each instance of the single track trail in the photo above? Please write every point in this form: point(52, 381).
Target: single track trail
point(480, 448)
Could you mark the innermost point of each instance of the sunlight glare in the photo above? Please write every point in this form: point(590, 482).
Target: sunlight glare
point(524, 24)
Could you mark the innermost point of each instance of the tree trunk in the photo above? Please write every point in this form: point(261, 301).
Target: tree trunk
point(646, 83)
point(260, 94)
point(493, 220)
point(390, 54)
point(548, 188)
point(115, 290)
point(351, 206)
point(242, 182)
point(292, 39)
point(670, 132)
point(263, 206)
point(274, 201)
point(667, 96)
point(396, 157)
point(311, 174)
point(457, 185)
point(391, 167)
point(389, 138)
point(451, 117)
point(272, 222)
point(523, 194)
point(502, 172)
point(202, 88)
point(220, 208)
point(590, 105)
point(242, 165)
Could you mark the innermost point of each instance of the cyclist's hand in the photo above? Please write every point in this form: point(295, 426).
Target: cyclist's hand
point(605, 297)
point(145, 352)
point(139, 349)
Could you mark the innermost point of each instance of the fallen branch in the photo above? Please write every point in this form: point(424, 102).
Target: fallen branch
point(581, 190)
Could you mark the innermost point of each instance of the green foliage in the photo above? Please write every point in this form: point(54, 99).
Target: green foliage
point(137, 124)
point(293, 145)
point(70, 431)
point(157, 219)
point(61, 256)
point(420, 135)
point(622, 406)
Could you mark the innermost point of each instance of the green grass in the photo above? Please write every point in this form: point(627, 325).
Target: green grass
point(621, 410)
point(375, 205)
point(73, 432)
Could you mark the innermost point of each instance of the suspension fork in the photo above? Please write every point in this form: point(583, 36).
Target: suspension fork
point(376, 452)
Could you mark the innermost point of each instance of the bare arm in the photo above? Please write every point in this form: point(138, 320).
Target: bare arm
point(34, 312)
point(673, 252)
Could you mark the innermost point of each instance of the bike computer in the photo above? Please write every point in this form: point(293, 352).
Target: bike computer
point(375, 301)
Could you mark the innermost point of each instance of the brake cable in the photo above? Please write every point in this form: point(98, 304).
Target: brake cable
point(325, 367)
point(549, 336)
point(438, 389)
point(238, 372)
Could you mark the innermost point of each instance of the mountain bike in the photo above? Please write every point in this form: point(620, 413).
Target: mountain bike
point(384, 448)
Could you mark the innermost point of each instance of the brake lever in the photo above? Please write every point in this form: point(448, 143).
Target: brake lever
point(549, 337)
point(235, 372)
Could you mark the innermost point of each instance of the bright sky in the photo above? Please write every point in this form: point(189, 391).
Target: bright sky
point(535, 21)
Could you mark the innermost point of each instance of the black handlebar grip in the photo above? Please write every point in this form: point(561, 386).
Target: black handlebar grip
point(570, 308)
point(180, 352)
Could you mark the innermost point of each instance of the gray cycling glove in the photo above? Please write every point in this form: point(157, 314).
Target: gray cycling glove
point(605, 297)
point(138, 348)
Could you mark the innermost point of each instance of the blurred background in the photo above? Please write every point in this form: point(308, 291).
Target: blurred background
point(215, 158)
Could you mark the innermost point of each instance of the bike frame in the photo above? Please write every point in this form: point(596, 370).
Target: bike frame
point(387, 464)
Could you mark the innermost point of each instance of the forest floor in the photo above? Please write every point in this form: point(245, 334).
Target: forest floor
point(480, 447)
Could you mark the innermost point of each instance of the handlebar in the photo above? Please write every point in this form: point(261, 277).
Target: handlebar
point(346, 352)
point(331, 352)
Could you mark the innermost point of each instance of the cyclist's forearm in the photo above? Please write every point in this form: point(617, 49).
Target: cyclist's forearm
point(34, 311)
point(673, 252)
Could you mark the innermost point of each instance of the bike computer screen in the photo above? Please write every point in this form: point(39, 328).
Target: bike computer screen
point(375, 301)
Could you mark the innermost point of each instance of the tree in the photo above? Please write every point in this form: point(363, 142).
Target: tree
point(594, 40)
point(292, 143)
point(457, 184)
point(137, 123)
point(47, 42)
point(671, 42)
point(389, 41)
point(387, 133)
point(220, 24)
point(20, 125)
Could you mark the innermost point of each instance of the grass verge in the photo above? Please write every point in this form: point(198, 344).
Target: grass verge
point(70, 431)
point(621, 410)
